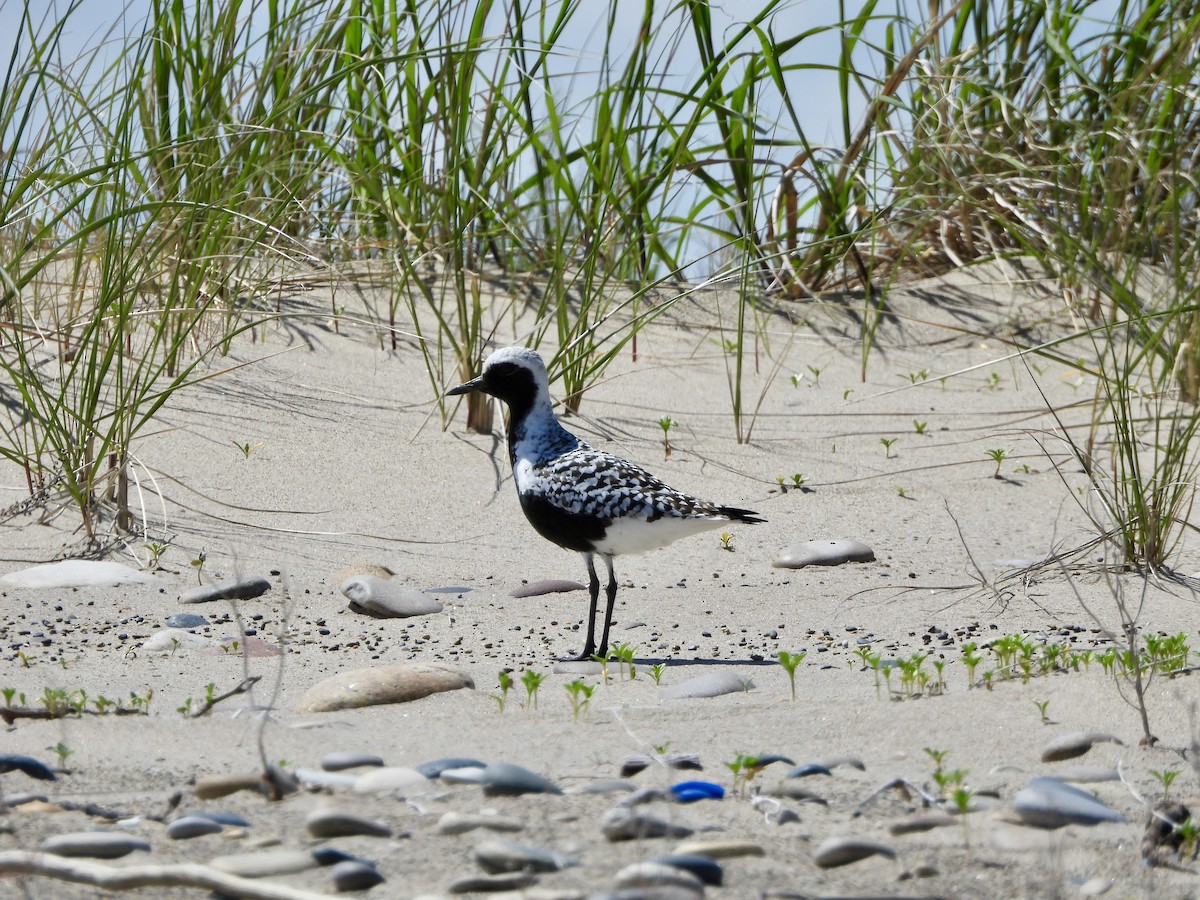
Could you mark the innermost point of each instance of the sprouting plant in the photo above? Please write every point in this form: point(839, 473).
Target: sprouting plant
point(656, 672)
point(532, 681)
point(603, 660)
point(666, 423)
point(919, 427)
point(798, 479)
point(8, 693)
point(726, 541)
point(102, 704)
point(887, 446)
point(624, 654)
point(579, 693)
point(506, 682)
point(998, 456)
point(790, 662)
point(62, 751)
point(846, 393)
point(916, 377)
point(816, 372)
point(248, 448)
point(1042, 706)
point(796, 379)
point(939, 666)
point(901, 492)
point(1165, 777)
point(744, 767)
point(174, 645)
point(185, 708)
point(1189, 836)
point(198, 565)
point(993, 381)
point(971, 660)
point(939, 759)
point(156, 549)
point(25, 660)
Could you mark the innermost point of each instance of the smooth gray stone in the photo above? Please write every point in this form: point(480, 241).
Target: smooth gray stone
point(74, 573)
point(264, 863)
point(94, 844)
point(246, 589)
point(328, 822)
point(348, 759)
point(1050, 803)
point(490, 884)
point(841, 851)
point(823, 553)
point(624, 824)
point(710, 684)
point(321, 778)
point(721, 849)
point(435, 767)
point(186, 620)
point(397, 683)
point(636, 762)
point(1069, 746)
point(354, 875)
point(550, 586)
point(918, 822)
point(391, 778)
point(659, 875)
point(187, 827)
point(463, 775)
point(461, 823)
point(506, 779)
point(384, 598)
point(27, 764)
point(233, 820)
point(496, 856)
point(707, 869)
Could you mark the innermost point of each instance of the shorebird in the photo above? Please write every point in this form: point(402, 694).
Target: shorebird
point(581, 498)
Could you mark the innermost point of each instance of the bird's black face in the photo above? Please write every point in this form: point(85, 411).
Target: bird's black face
point(507, 381)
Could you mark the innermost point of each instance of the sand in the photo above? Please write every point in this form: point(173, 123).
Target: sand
point(348, 466)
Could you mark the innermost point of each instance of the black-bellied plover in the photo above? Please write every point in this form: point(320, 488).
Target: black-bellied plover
point(582, 498)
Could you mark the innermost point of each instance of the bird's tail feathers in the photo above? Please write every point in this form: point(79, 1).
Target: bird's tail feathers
point(749, 516)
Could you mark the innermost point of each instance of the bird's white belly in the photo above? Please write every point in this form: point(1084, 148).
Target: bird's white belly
point(635, 535)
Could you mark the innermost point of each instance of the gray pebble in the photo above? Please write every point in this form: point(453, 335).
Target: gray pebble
point(186, 620)
point(462, 775)
point(354, 875)
point(823, 553)
point(1070, 746)
point(384, 598)
point(264, 863)
point(187, 827)
point(399, 779)
point(10, 762)
point(926, 821)
point(348, 759)
point(94, 844)
point(624, 824)
point(434, 768)
point(461, 823)
point(496, 856)
point(506, 779)
point(710, 684)
point(1050, 803)
point(232, 820)
point(246, 589)
point(577, 667)
point(490, 884)
point(726, 849)
point(841, 851)
point(659, 875)
point(321, 778)
point(328, 822)
point(550, 586)
point(637, 762)
point(707, 869)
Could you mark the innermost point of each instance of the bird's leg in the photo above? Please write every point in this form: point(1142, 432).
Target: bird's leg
point(594, 590)
point(610, 591)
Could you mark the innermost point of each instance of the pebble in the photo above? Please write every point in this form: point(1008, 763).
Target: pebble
point(329, 822)
point(926, 821)
point(726, 849)
point(549, 586)
point(506, 779)
point(27, 764)
point(841, 851)
point(808, 769)
point(659, 875)
point(691, 791)
point(386, 599)
point(74, 573)
point(1051, 803)
point(625, 824)
point(354, 875)
point(223, 818)
point(187, 827)
point(1071, 745)
point(461, 823)
point(380, 685)
point(710, 684)
point(462, 775)
point(170, 640)
point(388, 779)
point(823, 553)
point(513, 881)
point(186, 620)
point(245, 589)
point(210, 787)
point(636, 763)
point(496, 856)
point(1086, 774)
point(1094, 887)
point(339, 760)
point(94, 844)
point(707, 869)
point(320, 778)
point(434, 768)
point(265, 863)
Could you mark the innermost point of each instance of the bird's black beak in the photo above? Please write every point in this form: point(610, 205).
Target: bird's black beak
point(475, 384)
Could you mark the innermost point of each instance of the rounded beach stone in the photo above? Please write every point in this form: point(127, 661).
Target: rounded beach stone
point(1069, 746)
point(399, 779)
point(171, 640)
point(659, 875)
point(918, 822)
point(348, 759)
point(624, 824)
point(435, 767)
point(265, 863)
point(506, 779)
point(354, 875)
point(187, 827)
point(823, 553)
point(381, 684)
point(210, 787)
point(492, 884)
point(549, 586)
point(245, 589)
point(321, 778)
point(74, 573)
point(461, 823)
point(186, 620)
point(504, 856)
point(386, 599)
point(1050, 803)
point(707, 869)
point(726, 849)
point(710, 684)
point(10, 762)
point(328, 822)
point(841, 851)
point(94, 844)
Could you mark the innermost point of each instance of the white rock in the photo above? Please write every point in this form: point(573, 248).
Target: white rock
point(74, 573)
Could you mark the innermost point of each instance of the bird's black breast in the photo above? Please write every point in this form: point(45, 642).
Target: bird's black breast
point(570, 530)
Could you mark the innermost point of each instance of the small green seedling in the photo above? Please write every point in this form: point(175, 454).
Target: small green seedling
point(993, 381)
point(579, 694)
point(248, 449)
point(726, 541)
point(887, 446)
point(198, 565)
point(916, 377)
point(532, 681)
point(998, 456)
point(1165, 778)
point(1042, 706)
point(902, 492)
point(62, 751)
point(156, 549)
point(506, 682)
point(846, 393)
point(790, 662)
point(816, 374)
point(185, 708)
point(798, 479)
point(656, 672)
point(744, 767)
point(666, 423)
point(919, 427)
point(8, 693)
point(624, 654)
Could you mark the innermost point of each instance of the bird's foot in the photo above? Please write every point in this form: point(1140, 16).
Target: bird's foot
point(585, 656)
